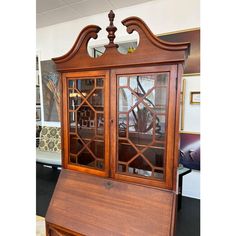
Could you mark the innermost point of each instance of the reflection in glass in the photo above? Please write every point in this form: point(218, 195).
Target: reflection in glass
point(140, 166)
point(126, 151)
point(123, 81)
point(99, 82)
point(122, 125)
point(74, 99)
point(100, 124)
point(76, 144)
point(139, 83)
point(86, 158)
point(141, 124)
point(159, 174)
point(96, 100)
point(97, 148)
point(86, 122)
point(161, 79)
point(155, 156)
point(72, 123)
point(121, 167)
point(160, 128)
point(71, 84)
point(126, 99)
point(85, 86)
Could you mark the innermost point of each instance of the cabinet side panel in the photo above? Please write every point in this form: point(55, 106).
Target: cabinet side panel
point(63, 120)
point(177, 114)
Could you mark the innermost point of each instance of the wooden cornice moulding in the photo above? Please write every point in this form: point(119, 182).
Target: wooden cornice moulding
point(159, 51)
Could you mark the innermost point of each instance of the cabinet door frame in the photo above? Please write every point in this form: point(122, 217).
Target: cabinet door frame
point(65, 121)
point(170, 127)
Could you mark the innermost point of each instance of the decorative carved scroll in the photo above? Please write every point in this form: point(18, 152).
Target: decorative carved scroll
point(91, 31)
point(135, 23)
point(151, 49)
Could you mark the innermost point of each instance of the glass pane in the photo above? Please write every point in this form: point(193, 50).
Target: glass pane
point(72, 122)
point(141, 84)
point(71, 83)
point(126, 151)
point(100, 124)
point(99, 164)
point(123, 81)
point(85, 158)
point(96, 100)
point(156, 100)
point(76, 144)
point(86, 122)
point(121, 167)
point(97, 148)
point(155, 156)
point(141, 124)
point(74, 99)
point(122, 125)
point(99, 82)
point(72, 159)
point(140, 167)
point(85, 86)
point(85, 119)
point(159, 174)
point(160, 128)
point(126, 99)
point(162, 79)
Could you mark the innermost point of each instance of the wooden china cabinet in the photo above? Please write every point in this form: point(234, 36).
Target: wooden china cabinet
point(120, 122)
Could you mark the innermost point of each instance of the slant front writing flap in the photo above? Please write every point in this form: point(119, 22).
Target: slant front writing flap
point(93, 205)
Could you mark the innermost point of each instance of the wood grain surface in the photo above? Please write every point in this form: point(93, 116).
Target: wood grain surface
point(93, 205)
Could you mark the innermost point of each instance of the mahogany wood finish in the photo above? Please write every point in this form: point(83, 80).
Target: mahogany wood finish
point(167, 183)
point(104, 189)
point(97, 206)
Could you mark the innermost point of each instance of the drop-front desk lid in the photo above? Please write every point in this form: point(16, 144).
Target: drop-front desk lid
point(95, 206)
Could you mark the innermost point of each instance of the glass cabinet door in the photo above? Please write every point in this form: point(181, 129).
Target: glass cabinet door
point(142, 125)
point(87, 119)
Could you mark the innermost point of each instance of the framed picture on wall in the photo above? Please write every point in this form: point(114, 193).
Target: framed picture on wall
point(38, 114)
point(37, 95)
point(195, 97)
point(37, 79)
point(50, 91)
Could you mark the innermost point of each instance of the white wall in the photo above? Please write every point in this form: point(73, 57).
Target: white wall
point(161, 16)
point(191, 181)
point(191, 184)
point(191, 111)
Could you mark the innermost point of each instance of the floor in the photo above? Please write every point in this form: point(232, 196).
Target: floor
point(40, 226)
point(188, 218)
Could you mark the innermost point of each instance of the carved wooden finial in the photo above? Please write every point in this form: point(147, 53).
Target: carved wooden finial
point(111, 29)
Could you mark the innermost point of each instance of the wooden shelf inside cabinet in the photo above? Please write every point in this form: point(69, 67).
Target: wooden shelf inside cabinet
point(120, 150)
